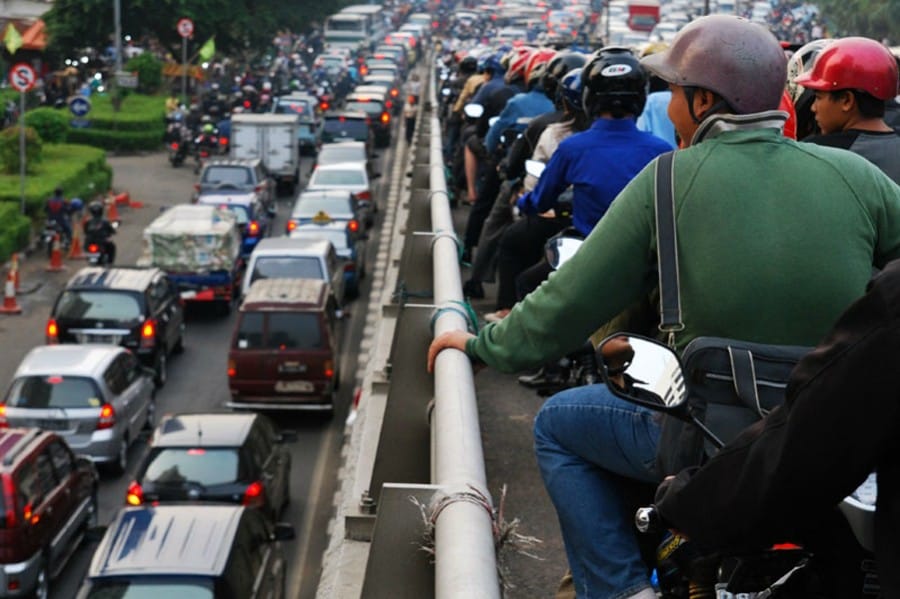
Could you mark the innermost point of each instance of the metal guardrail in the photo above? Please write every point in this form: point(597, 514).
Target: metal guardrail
point(416, 437)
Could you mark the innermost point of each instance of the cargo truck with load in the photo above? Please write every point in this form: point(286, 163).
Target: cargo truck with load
point(198, 246)
point(271, 138)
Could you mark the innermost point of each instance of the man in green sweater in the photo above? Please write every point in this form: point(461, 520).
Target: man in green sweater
point(775, 239)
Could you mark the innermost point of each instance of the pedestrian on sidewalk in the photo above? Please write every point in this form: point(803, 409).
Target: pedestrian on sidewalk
point(409, 116)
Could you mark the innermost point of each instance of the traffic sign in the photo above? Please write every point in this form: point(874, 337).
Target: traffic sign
point(22, 76)
point(79, 105)
point(185, 27)
point(126, 79)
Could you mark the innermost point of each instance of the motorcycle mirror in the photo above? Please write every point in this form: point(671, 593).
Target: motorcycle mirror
point(445, 91)
point(647, 373)
point(473, 110)
point(560, 248)
point(493, 120)
point(534, 168)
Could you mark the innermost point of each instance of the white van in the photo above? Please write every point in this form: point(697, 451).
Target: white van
point(286, 258)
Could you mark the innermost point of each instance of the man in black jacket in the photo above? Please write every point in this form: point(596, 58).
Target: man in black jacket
point(782, 477)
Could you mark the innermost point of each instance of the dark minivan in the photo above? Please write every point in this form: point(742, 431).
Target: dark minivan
point(284, 350)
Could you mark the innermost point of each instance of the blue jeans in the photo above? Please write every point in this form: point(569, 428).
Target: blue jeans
point(585, 439)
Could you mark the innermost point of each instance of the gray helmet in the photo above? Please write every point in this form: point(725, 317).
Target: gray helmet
point(739, 60)
point(96, 208)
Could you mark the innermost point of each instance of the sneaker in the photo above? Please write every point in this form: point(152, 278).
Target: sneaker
point(497, 316)
point(473, 289)
point(541, 378)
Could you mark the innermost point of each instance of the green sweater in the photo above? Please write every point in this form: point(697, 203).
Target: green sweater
point(775, 239)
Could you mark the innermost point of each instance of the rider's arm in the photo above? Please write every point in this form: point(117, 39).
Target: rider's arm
point(506, 120)
point(553, 181)
point(608, 273)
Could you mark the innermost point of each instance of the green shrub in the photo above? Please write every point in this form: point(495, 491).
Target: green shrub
point(149, 70)
point(15, 230)
point(51, 124)
point(122, 141)
point(81, 171)
point(10, 151)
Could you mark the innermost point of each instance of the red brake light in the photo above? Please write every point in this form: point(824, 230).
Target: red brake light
point(93, 248)
point(174, 145)
point(196, 451)
point(232, 370)
point(329, 369)
point(107, 417)
point(247, 104)
point(223, 141)
point(385, 118)
point(9, 500)
point(323, 106)
point(52, 332)
point(291, 225)
point(353, 226)
point(254, 496)
point(363, 195)
point(395, 92)
point(135, 494)
point(253, 228)
point(388, 104)
point(4, 423)
point(435, 24)
point(148, 333)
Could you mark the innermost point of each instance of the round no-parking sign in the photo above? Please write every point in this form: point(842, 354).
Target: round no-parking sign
point(22, 76)
point(185, 27)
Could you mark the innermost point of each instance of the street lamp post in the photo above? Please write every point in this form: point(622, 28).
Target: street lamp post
point(117, 17)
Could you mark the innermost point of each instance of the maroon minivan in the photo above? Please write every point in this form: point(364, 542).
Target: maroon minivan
point(284, 350)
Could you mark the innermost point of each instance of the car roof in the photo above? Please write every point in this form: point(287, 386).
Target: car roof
point(278, 293)
point(167, 540)
point(345, 144)
point(252, 162)
point(340, 166)
point(68, 360)
point(277, 246)
point(227, 196)
point(376, 94)
point(130, 278)
point(336, 194)
point(209, 430)
point(349, 114)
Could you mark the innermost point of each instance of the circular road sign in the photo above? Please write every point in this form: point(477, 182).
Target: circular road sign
point(79, 105)
point(22, 76)
point(185, 27)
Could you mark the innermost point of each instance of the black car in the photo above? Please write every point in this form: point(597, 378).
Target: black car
point(219, 457)
point(344, 125)
point(225, 551)
point(137, 308)
point(374, 103)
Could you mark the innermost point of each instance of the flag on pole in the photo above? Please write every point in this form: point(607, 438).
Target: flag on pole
point(12, 39)
point(208, 50)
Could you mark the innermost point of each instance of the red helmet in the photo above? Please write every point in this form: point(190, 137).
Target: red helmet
point(518, 60)
point(853, 63)
point(537, 64)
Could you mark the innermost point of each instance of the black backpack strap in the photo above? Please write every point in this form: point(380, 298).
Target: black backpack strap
point(667, 247)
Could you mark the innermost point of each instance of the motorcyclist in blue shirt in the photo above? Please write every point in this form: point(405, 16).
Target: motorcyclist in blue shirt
point(599, 162)
point(58, 212)
point(521, 108)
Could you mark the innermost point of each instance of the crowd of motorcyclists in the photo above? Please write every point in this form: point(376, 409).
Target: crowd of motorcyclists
point(776, 237)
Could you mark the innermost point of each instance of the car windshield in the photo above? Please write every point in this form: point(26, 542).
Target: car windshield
point(337, 238)
point(355, 128)
point(364, 106)
point(330, 206)
point(334, 154)
point(207, 466)
point(301, 107)
point(152, 587)
point(279, 330)
point(53, 391)
point(287, 267)
point(106, 305)
point(337, 177)
point(227, 174)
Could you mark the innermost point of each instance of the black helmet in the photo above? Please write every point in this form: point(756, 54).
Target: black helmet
point(615, 82)
point(558, 66)
point(468, 65)
point(95, 208)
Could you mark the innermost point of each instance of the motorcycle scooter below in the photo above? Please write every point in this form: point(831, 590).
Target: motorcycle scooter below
point(841, 564)
point(97, 250)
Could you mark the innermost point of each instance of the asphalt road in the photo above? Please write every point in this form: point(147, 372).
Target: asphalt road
point(197, 380)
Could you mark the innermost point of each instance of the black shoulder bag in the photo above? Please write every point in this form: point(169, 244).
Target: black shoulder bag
point(731, 383)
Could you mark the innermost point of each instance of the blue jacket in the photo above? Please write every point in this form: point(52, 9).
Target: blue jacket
point(655, 118)
point(598, 164)
point(527, 106)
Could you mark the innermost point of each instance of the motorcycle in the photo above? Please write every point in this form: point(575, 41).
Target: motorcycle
point(178, 151)
point(843, 567)
point(97, 248)
point(205, 146)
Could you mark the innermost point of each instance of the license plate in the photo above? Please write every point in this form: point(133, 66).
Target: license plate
point(53, 425)
point(294, 386)
point(113, 339)
point(291, 367)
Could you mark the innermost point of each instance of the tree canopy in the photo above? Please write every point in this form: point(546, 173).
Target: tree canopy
point(241, 27)
point(877, 19)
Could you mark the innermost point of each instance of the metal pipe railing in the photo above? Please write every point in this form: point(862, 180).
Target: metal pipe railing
point(465, 558)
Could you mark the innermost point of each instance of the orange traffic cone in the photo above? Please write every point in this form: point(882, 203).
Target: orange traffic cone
point(14, 266)
point(56, 264)
point(10, 306)
point(75, 251)
point(123, 198)
point(112, 211)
